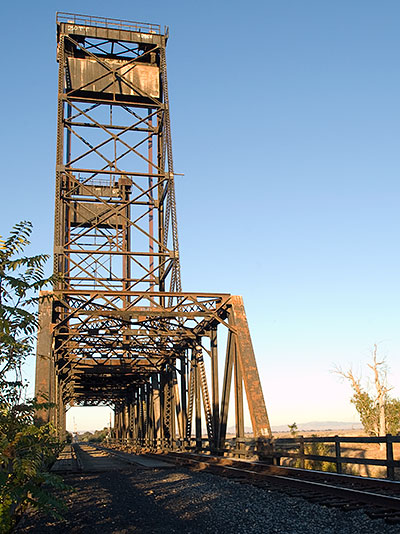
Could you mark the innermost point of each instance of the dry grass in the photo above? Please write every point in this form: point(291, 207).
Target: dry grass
point(356, 450)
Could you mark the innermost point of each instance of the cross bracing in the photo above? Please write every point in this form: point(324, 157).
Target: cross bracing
point(117, 328)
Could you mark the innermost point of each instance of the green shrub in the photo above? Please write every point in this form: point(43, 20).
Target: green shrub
point(317, 449)
point(26, 453)
point(26, 449)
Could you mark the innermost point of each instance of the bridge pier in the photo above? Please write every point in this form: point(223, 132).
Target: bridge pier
point(45, 378)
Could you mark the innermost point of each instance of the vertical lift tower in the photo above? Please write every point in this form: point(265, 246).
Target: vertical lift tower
point(117, 328)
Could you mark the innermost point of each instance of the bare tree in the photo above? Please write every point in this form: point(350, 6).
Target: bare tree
point(380, 377)
point(379, 414)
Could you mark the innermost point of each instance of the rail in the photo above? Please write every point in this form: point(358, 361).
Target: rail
point(114, 24)
point(284, 448)
point(379, 498)
point(235, 448)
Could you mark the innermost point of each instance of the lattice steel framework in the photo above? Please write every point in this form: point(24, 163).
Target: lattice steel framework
point(119, 330)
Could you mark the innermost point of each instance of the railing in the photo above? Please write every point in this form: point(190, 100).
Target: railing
point(300, 448)
point(237, 448)
point(284, 448)
point(114, 24)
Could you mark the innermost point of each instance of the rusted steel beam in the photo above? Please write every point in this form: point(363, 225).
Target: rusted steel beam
point(239, 414)
point(226, 388)
point(45, 372)
point(143, 294)
point(215, 383)
point(251, 379)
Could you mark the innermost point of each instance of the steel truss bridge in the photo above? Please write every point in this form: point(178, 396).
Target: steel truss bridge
point(117, 329)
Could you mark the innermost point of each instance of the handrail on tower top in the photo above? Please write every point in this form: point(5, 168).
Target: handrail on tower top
point(115, 24)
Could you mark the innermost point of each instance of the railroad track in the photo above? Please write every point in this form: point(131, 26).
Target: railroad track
point(380, 499)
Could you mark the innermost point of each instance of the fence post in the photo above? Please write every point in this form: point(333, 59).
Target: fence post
point(338, 455)
point(301, 451)
point(389, 457)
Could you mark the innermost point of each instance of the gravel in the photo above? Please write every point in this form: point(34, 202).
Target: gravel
point(180, 501)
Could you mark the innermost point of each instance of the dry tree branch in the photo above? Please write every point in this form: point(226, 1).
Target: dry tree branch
point(349, 375)
point(380, 379)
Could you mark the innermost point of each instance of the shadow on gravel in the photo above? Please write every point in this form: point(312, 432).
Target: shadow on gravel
point(146, 501)
point(118, 502)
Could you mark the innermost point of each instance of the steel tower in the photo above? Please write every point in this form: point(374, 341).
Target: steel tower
point(117, 328)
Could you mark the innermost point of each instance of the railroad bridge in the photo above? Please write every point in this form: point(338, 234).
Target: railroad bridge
point(117, 329)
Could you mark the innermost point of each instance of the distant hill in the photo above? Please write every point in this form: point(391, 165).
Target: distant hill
point(320, 425)
point(308, 427)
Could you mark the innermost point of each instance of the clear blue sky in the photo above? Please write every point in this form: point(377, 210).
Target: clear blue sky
point(286, 124)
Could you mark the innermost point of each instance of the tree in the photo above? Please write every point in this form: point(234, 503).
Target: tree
point(21, 278)
point(379, 413)
point(94, 437)
point(26, 450)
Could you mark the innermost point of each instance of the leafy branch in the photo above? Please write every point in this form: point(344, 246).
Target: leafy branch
point(26, 449)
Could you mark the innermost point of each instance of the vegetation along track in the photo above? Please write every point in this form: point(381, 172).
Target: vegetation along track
point(379, 498)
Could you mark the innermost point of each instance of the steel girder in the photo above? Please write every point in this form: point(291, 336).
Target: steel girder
point(118, 329)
